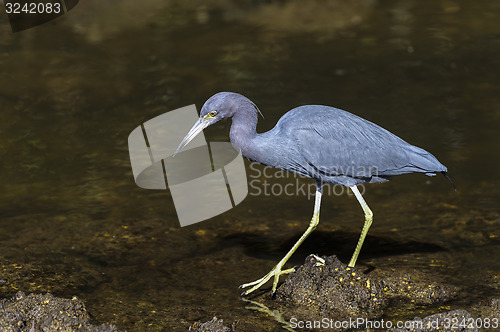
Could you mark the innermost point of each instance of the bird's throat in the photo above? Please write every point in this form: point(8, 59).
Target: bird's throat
point(243, 133)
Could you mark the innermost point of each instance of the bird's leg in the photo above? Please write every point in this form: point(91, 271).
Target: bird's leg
point(276, 271)
point(368, 222)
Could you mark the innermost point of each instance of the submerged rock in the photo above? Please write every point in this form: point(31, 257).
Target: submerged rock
point(492, 310)
point(454, 320)
point(333, 290)
point(213, 325)
point(330, 290)
point(44, 312)
point(417, 287)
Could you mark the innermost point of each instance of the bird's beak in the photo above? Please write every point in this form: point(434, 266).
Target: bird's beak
point(201, 124)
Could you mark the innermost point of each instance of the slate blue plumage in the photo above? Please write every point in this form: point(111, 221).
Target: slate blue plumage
point(324, 143)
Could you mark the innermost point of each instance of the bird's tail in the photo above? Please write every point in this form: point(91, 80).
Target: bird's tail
point(427, 162)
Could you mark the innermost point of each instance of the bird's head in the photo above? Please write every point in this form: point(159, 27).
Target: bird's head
point(220, 106)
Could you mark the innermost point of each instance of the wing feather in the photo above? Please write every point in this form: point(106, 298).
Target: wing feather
point(335, 143)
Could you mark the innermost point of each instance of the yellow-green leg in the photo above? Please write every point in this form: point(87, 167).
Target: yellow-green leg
point(366, 227)
point(276, 271)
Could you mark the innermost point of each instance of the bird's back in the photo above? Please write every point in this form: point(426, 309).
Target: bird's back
point(339, 147)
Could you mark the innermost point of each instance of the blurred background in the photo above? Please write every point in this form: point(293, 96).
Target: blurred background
point(73, 222)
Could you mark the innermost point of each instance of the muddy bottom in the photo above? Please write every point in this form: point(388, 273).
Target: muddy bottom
point(145, 275)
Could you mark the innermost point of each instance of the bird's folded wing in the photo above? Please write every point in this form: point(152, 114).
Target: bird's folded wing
point(350, 146)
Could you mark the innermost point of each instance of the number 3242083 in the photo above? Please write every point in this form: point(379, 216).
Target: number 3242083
point(33, 8)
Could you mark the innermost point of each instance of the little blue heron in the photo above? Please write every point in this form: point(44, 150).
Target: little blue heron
point(324, 143)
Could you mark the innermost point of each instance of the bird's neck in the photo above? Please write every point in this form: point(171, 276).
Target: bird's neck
point(243, 132)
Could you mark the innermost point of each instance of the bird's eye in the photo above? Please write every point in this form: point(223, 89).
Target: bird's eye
point(212, 114)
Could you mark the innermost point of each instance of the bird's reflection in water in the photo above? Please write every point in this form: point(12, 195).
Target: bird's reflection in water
point(275, 314)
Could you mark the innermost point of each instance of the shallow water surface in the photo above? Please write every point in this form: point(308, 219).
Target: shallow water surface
point(73, 222)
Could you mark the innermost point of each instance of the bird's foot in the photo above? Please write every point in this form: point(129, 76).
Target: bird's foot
point(276, 272)
point(320, 261)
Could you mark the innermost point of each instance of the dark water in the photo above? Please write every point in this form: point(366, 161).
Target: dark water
point(73, 222)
